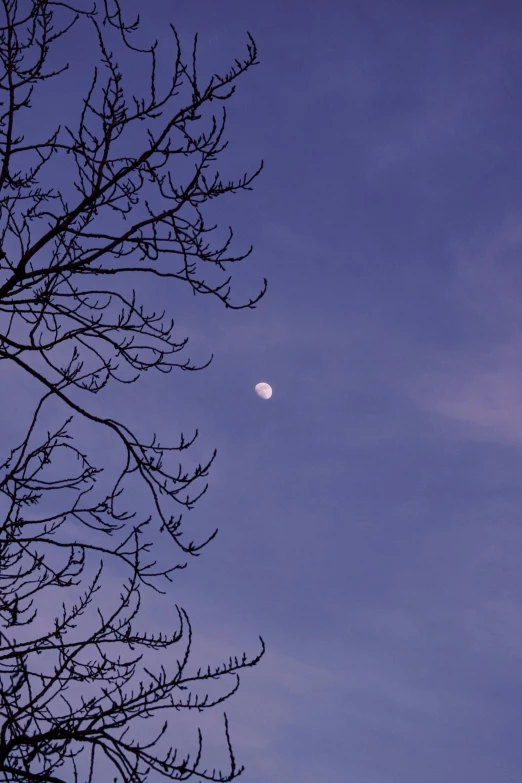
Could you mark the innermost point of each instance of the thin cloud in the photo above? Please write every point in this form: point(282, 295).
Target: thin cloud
point(480, 385)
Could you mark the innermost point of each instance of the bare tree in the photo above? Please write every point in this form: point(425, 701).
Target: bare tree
point(68, 693)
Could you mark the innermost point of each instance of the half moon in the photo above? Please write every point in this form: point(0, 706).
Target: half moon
point(263, 390)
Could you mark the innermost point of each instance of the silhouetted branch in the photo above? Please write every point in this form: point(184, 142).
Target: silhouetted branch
point(73, 337)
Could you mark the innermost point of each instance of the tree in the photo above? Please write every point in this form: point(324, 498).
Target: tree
point(67, 321)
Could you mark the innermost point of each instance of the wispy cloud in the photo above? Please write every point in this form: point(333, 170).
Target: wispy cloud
point(479, 384)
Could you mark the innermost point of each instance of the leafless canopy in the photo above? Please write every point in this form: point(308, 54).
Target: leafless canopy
point(68, 320)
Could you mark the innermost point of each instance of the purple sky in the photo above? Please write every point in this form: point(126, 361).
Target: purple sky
point(369, 513)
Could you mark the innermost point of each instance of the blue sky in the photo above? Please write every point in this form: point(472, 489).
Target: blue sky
point(369, 513)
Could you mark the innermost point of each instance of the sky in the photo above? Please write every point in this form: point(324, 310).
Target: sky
point(369, 512)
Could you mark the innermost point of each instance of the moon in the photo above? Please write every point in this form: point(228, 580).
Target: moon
point(263, 390)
